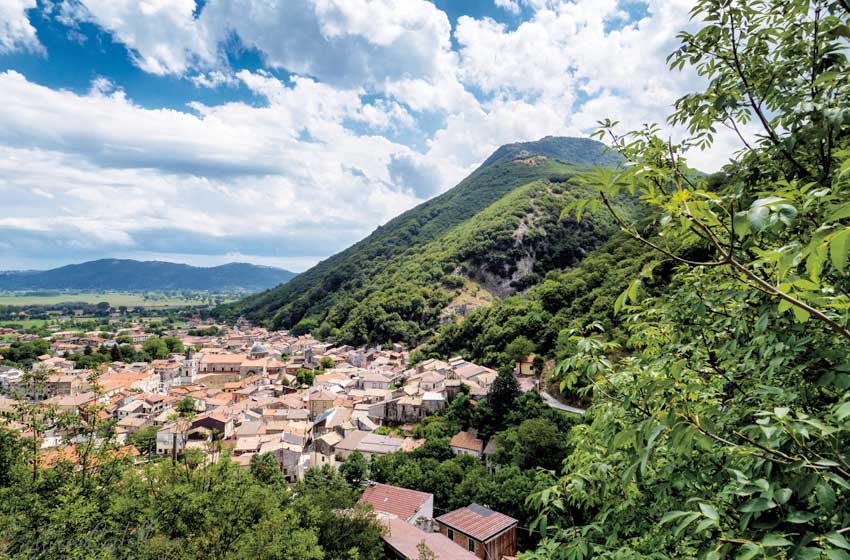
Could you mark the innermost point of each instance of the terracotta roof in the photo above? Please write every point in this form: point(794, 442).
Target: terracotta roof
point(405, 539)
point(398, 501)
point(466, 440)
point(477, 521)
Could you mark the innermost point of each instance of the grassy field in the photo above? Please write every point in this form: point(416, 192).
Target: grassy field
point(114, 299)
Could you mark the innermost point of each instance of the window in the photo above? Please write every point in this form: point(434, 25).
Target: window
point(451, 534)
point(471, 545)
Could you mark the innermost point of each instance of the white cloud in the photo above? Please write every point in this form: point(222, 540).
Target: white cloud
point(16, 31)
point(313, 168)
point(162, 35)
point(232, 176)
point(510, 5)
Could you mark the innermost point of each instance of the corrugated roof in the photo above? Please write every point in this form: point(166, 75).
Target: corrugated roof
point(477, 521)
point(401, 502)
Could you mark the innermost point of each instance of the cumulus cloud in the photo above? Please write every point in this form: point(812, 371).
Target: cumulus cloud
point(162, 35)
point(16, 31)
point(377, 112)
point(510, 5)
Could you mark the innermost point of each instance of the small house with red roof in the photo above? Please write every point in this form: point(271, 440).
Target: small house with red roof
point(480, 530)
point(408, 505)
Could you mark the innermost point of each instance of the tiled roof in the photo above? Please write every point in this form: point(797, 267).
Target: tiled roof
point(466, 440)
point(406, 539)
point(477, 521)
point(400, 502)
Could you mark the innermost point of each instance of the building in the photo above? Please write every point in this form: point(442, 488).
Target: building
point(408, 505)
point(467, 443)
point(480, 530)
point(405, 541)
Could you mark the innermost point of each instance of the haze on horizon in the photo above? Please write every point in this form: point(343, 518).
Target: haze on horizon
point(278, 134)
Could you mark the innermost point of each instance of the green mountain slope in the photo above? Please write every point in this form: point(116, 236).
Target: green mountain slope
point(125, 274)
point(498, 232)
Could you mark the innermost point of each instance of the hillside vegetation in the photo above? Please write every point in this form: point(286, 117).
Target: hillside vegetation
point(500, 228)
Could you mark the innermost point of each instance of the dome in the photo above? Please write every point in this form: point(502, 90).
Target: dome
point(258, 348)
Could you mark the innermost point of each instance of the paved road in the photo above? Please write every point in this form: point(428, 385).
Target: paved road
point(555, 403)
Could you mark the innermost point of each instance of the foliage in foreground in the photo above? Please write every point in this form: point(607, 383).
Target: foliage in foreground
point(188, 510)
point(725, 433)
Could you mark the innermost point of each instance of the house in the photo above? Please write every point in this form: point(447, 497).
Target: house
point(170, 438)
point(219, 424)
point(407, 505)
point(408, 542)
point(376, 381)
point(525, 365)
point(480, 530)
point(320, 401)
point(467, 443)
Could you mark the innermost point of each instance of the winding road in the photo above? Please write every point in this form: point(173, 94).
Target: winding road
point(555, 403)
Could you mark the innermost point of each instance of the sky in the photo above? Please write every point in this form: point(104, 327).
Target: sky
point(281, 132)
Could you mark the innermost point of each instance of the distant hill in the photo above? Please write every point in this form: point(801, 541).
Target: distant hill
point(496, 233)
point(130, 275)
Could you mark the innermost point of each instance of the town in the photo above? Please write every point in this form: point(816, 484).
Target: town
point(247, 391)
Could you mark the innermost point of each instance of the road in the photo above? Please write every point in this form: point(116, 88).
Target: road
point(555, 403)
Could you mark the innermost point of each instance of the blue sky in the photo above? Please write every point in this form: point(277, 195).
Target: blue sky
point(280, 132)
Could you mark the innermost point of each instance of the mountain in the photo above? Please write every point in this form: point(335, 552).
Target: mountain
point(496, 233)
point(130, 275)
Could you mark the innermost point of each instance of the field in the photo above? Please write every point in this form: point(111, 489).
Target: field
point(115, 299)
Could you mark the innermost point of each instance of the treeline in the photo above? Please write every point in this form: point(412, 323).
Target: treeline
point(187, 510)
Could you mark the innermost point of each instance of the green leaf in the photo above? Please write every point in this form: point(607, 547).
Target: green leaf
point(672, 516)
point(758, 504)
point(782, 495)
point(808, 553)
point(704, 524)
point(787, 213)
point(839, 213)
point(837, 539)
point(709, 511)
point(801, 315)
point(837, 554)
point(757, 217)
point(748, 551)
point(839, 249)
point(741, 224)
point(650, 444)
point(825, 495)
point(800, 517)
point(771, 540)
point(842, 412)
point(687, 520)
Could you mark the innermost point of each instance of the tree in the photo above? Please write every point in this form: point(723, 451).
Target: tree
point(265, 469)
point(327, 362)
point(174, 344)
point(145, 440)
point(504, 391)
point(518, 349)
point(720, 435)
point(536, 442)
point(155, 348)
point(354, 469)
point(186, 407)
point(305, 376)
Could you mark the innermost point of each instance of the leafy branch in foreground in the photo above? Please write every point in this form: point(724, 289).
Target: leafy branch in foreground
point(724, 432)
